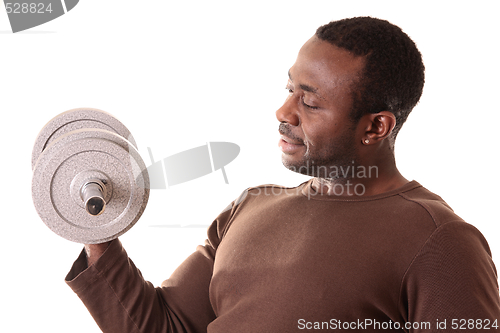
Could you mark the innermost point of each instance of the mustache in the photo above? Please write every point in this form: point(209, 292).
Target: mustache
point(285, 130)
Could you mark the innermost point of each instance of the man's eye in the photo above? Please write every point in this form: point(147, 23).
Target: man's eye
point(308, 106)
point(290, 91)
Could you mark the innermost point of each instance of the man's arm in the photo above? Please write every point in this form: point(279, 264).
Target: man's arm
point(452, 283)
point(121, 301)
point(95, 251)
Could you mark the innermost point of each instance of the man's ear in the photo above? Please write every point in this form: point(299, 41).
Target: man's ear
point(376, 126)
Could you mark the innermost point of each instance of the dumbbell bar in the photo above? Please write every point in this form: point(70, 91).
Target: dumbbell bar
point(90, 184)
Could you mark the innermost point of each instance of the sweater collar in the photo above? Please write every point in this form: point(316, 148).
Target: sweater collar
point(310, 192)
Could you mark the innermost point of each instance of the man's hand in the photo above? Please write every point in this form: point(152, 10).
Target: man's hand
point(95, 251)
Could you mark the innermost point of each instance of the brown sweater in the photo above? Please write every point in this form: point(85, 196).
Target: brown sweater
point(292, 260)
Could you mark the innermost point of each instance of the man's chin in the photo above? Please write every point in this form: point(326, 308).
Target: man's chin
point(302, 167)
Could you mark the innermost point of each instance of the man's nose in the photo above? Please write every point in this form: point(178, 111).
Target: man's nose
point(288, 112)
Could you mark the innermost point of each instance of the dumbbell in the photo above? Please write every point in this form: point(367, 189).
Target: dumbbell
point(89, 185)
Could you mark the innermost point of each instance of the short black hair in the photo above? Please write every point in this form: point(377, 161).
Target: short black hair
point(393, 76)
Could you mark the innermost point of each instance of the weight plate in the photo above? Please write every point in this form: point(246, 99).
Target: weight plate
point(86, 176)
point(90, 153)
point(77, 119)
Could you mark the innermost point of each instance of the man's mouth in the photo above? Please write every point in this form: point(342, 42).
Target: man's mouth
point(289, 146)
point(287, 142)
point(291, 141)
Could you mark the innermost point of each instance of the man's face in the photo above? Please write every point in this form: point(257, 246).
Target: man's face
point(316, 127)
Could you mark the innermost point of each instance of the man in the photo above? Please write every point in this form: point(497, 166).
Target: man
point(357, 247)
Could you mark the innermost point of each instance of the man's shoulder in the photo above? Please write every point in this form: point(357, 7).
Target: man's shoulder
point(266, 190)
point(437, 208)
point(276, 189)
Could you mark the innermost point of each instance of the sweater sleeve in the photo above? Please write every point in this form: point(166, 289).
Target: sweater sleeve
point(452, 283)
point(121, 301)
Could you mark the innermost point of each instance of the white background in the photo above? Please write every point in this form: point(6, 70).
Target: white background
point(179, 74)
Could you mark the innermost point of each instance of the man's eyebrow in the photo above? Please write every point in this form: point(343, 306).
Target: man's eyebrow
point(305, 87)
